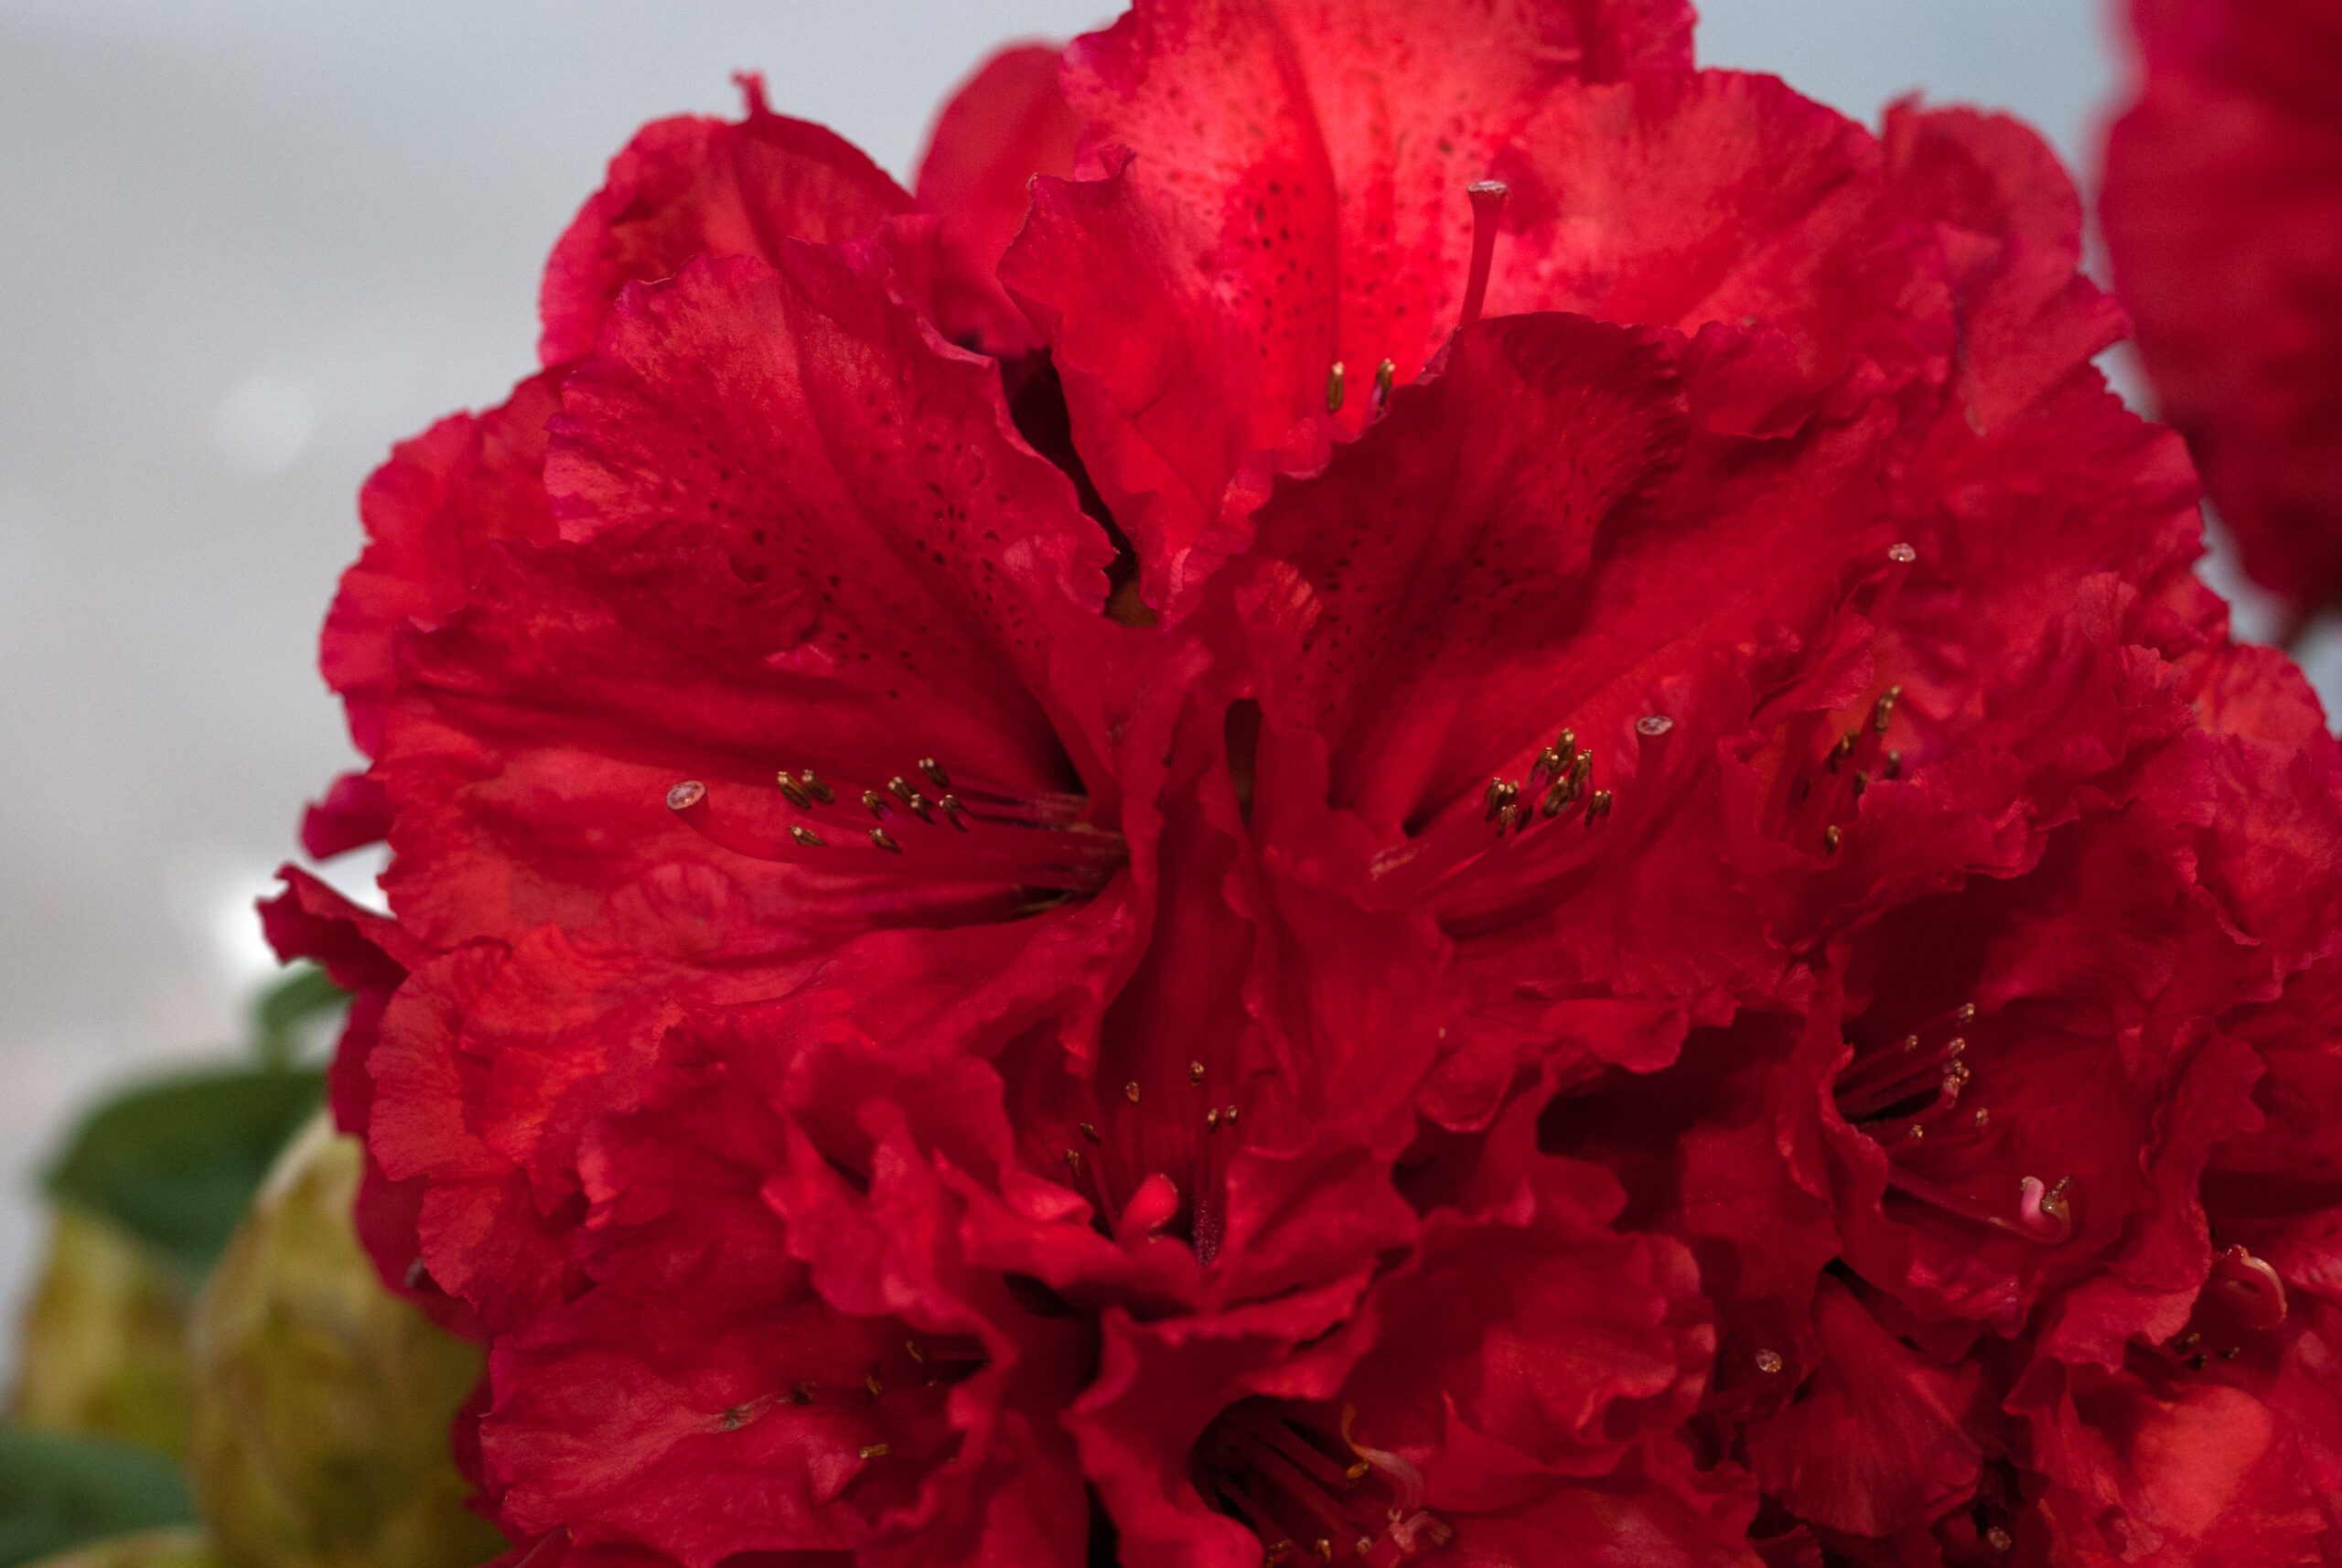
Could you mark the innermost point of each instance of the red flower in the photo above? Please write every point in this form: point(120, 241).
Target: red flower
point(2223, 212)
point(1359, 869)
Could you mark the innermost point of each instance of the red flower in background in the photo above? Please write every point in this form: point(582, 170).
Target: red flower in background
point(1494, 820)
point(2223, 213)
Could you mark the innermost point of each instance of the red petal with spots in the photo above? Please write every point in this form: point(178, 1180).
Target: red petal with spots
point(913, 591)
point(696, 186)
point(1278, 207)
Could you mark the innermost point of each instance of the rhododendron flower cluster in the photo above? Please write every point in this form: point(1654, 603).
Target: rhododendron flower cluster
point(1405, 788)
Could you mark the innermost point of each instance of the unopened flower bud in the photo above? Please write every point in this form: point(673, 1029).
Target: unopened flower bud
point(322, 1402)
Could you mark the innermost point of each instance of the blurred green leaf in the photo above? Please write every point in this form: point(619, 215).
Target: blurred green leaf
point(58, 1492)
point(174, 1162)
point(285, 1008)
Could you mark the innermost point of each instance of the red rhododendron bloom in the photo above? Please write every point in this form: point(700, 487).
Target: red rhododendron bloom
point(1411, 788)
point(2223, 213)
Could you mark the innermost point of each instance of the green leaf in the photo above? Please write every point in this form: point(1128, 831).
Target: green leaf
point(285, 1010)
point(175, 1162)
point(58, 1492)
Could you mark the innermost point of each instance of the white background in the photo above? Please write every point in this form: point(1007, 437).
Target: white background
point(245, 244)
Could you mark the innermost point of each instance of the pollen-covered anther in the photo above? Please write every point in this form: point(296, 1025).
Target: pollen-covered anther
point(934, 772)
point(1769, 1362)
point(1035, 842)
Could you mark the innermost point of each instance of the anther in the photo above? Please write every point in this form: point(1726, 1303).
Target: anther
point(686, 795)
point(910, 1348)
point(1502, 792)
point(935, 774)
point(870, 1380)
point(877, 804)
point(1984, 1117)
point(950, 806)
point(1893, 768)
point(900, 789)
point(1769, 1361)
point(1965, 1011)
point(1333, 380)
point(1090, 1131)
point(1194, 1072)
point(918, 803)
point(1130, 1091)
point(884, 841)
point(1882, 713)
point(797, 794)
point(2231, 1352)
point(1597, 808)
point(1227, 1117)
point(1211, 1121)
point(1566, 743)
point(815, 788)
point(1831, 837)
point(807, 837)
point(874, 1451)
point(1386, 375)
point(1996, 1538)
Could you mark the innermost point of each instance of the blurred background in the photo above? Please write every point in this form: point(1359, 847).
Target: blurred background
point(246, 244)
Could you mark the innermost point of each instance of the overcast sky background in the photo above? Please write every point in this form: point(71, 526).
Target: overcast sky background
point(245, 244)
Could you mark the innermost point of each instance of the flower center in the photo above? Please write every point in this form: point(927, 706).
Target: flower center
point(1910, 1097)
point(921, 825)
point(1151, 1161)
point(1311, 1496)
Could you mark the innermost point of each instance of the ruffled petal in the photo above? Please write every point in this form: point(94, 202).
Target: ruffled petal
point(695, 187)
